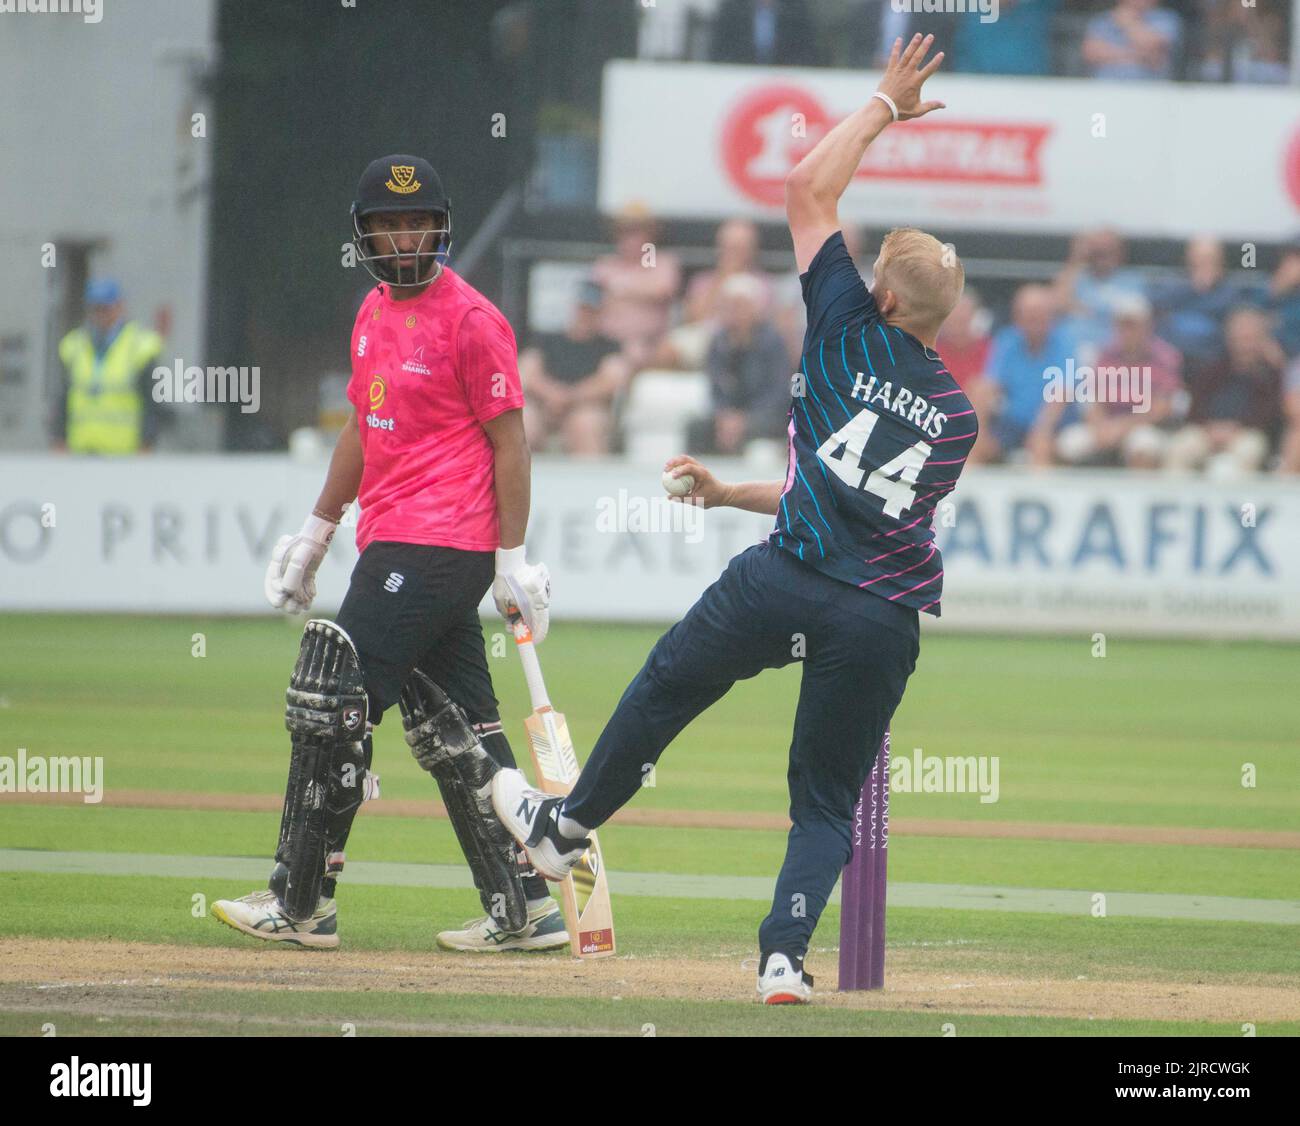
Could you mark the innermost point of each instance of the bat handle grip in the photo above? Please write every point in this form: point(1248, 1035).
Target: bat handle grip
point(532, 668)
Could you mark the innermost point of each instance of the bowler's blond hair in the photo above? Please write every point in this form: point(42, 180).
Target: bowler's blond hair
point(924, 274)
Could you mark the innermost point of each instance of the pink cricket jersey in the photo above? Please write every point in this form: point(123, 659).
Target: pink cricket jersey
point(426, 374)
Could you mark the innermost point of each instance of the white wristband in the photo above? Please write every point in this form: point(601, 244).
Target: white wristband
point(888, 101)
point(318, 530)
point(509, 559)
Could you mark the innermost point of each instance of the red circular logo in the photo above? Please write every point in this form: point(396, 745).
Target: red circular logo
point(765, 135)
point(1291, 168)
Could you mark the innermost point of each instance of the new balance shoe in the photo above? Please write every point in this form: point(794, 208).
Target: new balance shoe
point(530, 817)
point(260, 915)
point(545, 931)
point(782, 980)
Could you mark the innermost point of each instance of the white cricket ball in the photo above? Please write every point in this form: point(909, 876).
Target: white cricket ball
point(678, 486)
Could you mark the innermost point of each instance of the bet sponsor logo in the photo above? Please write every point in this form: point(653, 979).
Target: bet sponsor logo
point(595, 942)
point(378, 393)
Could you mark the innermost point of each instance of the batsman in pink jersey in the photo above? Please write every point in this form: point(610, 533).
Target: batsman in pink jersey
point(435, 454)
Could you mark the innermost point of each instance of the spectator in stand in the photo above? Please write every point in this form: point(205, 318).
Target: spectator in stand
point(964, 340)
point(749, 376)
point(736, 242)
point(1092, 283)
point(1019, 42)
point(1243, 43)
point(1021, 353)
point(1135, 40)
point(1135, 370)
point(663, 30)
point(965, 344)
point(1282, 299)
point(640, 282)
point(871, 28)
point(685, 347)
point(770, 32)
point(1290, 461)
point(571, 379)
point(105, 403)
point(1236, 403)
point(1191, 311)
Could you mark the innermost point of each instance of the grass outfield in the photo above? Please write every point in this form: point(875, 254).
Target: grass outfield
point(1260, 873)
point(1155, 733)
point(1154, 736)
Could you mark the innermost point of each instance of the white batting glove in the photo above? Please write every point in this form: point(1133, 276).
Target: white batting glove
point(523, 589)
point(291, 577)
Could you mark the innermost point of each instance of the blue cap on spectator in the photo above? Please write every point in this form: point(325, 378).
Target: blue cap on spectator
point(103, 291)
point(590, 293)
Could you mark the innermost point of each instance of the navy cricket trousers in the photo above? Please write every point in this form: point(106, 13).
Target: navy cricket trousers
point(766, 611)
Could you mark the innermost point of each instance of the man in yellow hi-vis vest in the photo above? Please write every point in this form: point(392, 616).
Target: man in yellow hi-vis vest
point(106, 406)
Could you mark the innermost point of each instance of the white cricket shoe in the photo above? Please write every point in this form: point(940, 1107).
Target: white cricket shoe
point(545, 931)
point(260, 915)
point(783, 982)
point(530, 817)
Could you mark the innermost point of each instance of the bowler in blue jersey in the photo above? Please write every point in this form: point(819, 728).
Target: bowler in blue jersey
point(878, 434)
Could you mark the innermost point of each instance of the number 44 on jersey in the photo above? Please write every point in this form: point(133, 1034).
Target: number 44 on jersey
point(894, 482)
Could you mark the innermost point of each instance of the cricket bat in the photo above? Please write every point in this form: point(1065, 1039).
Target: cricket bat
point(585, 892)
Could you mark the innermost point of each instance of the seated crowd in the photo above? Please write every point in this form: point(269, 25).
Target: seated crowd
point(1201, 372)
point(1241, 41)
point(1100, 367)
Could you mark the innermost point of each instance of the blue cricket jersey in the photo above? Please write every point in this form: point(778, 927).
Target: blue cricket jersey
point(879, 433)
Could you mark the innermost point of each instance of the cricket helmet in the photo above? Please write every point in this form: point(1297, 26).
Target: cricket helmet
point(401, 183)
